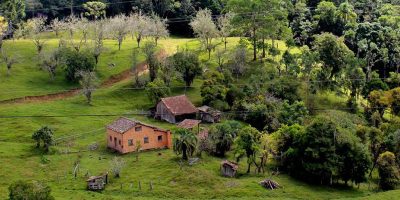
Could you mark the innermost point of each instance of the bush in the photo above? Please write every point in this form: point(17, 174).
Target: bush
point(77, 61)
point(388, 171)
point(22, 190)
point(157, 90)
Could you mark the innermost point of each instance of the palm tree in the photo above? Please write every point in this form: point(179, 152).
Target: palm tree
point(184, 142)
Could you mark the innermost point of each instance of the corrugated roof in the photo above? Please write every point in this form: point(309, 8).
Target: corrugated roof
point(179, 105)
point(189, 123)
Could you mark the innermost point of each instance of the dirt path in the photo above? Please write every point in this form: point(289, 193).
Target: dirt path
point(124, 75)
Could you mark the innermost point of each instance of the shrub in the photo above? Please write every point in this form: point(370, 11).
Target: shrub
point(77, 61)
point(388, 171)
point(22, 190)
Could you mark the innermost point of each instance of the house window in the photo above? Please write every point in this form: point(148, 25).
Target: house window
point(160, 138)
point(130, 142)
point(139, 128)
point(111, 138)
point(146, 140)
point(119, 142)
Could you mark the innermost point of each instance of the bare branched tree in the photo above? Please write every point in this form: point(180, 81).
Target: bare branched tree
point(9, 61)
point(225, 27)
point(33, 29)
point(139, 25)
point(238, 60)
point(51, 61)
point(220, 55)
point(57, 26)
point(89, 82)
point(158, 28)
point(116, 165)
point(118, 29)
point(5, 29)
point(205, 29)
point(98, 37)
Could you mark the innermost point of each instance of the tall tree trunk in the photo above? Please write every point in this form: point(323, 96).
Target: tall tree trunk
point(184, 153)
point(263, 47)
point(254, 44)
point(225, 42)
point(248, 168)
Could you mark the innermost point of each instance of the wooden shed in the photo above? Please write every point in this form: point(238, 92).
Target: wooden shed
point(96, 183)
point(228, 168)
point(209, 115)
point(175, 109)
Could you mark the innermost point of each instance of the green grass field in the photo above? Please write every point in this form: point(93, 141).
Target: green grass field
point(19, 160)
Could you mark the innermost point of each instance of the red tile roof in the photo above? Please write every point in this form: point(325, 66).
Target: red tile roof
point(189, 123)
point(123, 124)
point(179, 105)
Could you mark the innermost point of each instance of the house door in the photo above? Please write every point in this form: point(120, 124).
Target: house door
point(115, 142)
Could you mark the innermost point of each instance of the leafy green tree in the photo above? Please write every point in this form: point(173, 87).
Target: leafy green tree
point(188, 65)
point(325, 17)
point(388, 171)
point(333, 54)
point(263, 116)
point(374, 85)
point(247, 144)
point(44, 134)
point(353, 158)
point(376, 146)
point(319, 156)
point(77, 61)
point(149, 51)
point(156, 90)
point(95, 9)
point(301, 23)
point(22, 190)
point(285, 88)
point(184, 142)
point(345, 15)
point(13, 10)
point(293, 113)
point(290, 62)
point(213, 88)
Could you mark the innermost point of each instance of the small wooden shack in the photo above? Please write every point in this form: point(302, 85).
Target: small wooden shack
point(209, 115)
point(96, 183)
point(228, 168)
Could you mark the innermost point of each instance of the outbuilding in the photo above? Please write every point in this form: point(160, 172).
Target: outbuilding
point(175, 109)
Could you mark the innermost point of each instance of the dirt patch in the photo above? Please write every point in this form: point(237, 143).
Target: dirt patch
point(141, 68)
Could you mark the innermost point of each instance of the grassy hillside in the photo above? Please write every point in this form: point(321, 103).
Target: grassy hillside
point(21, 161)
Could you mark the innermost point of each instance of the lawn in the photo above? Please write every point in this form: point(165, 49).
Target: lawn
point(21, 161)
